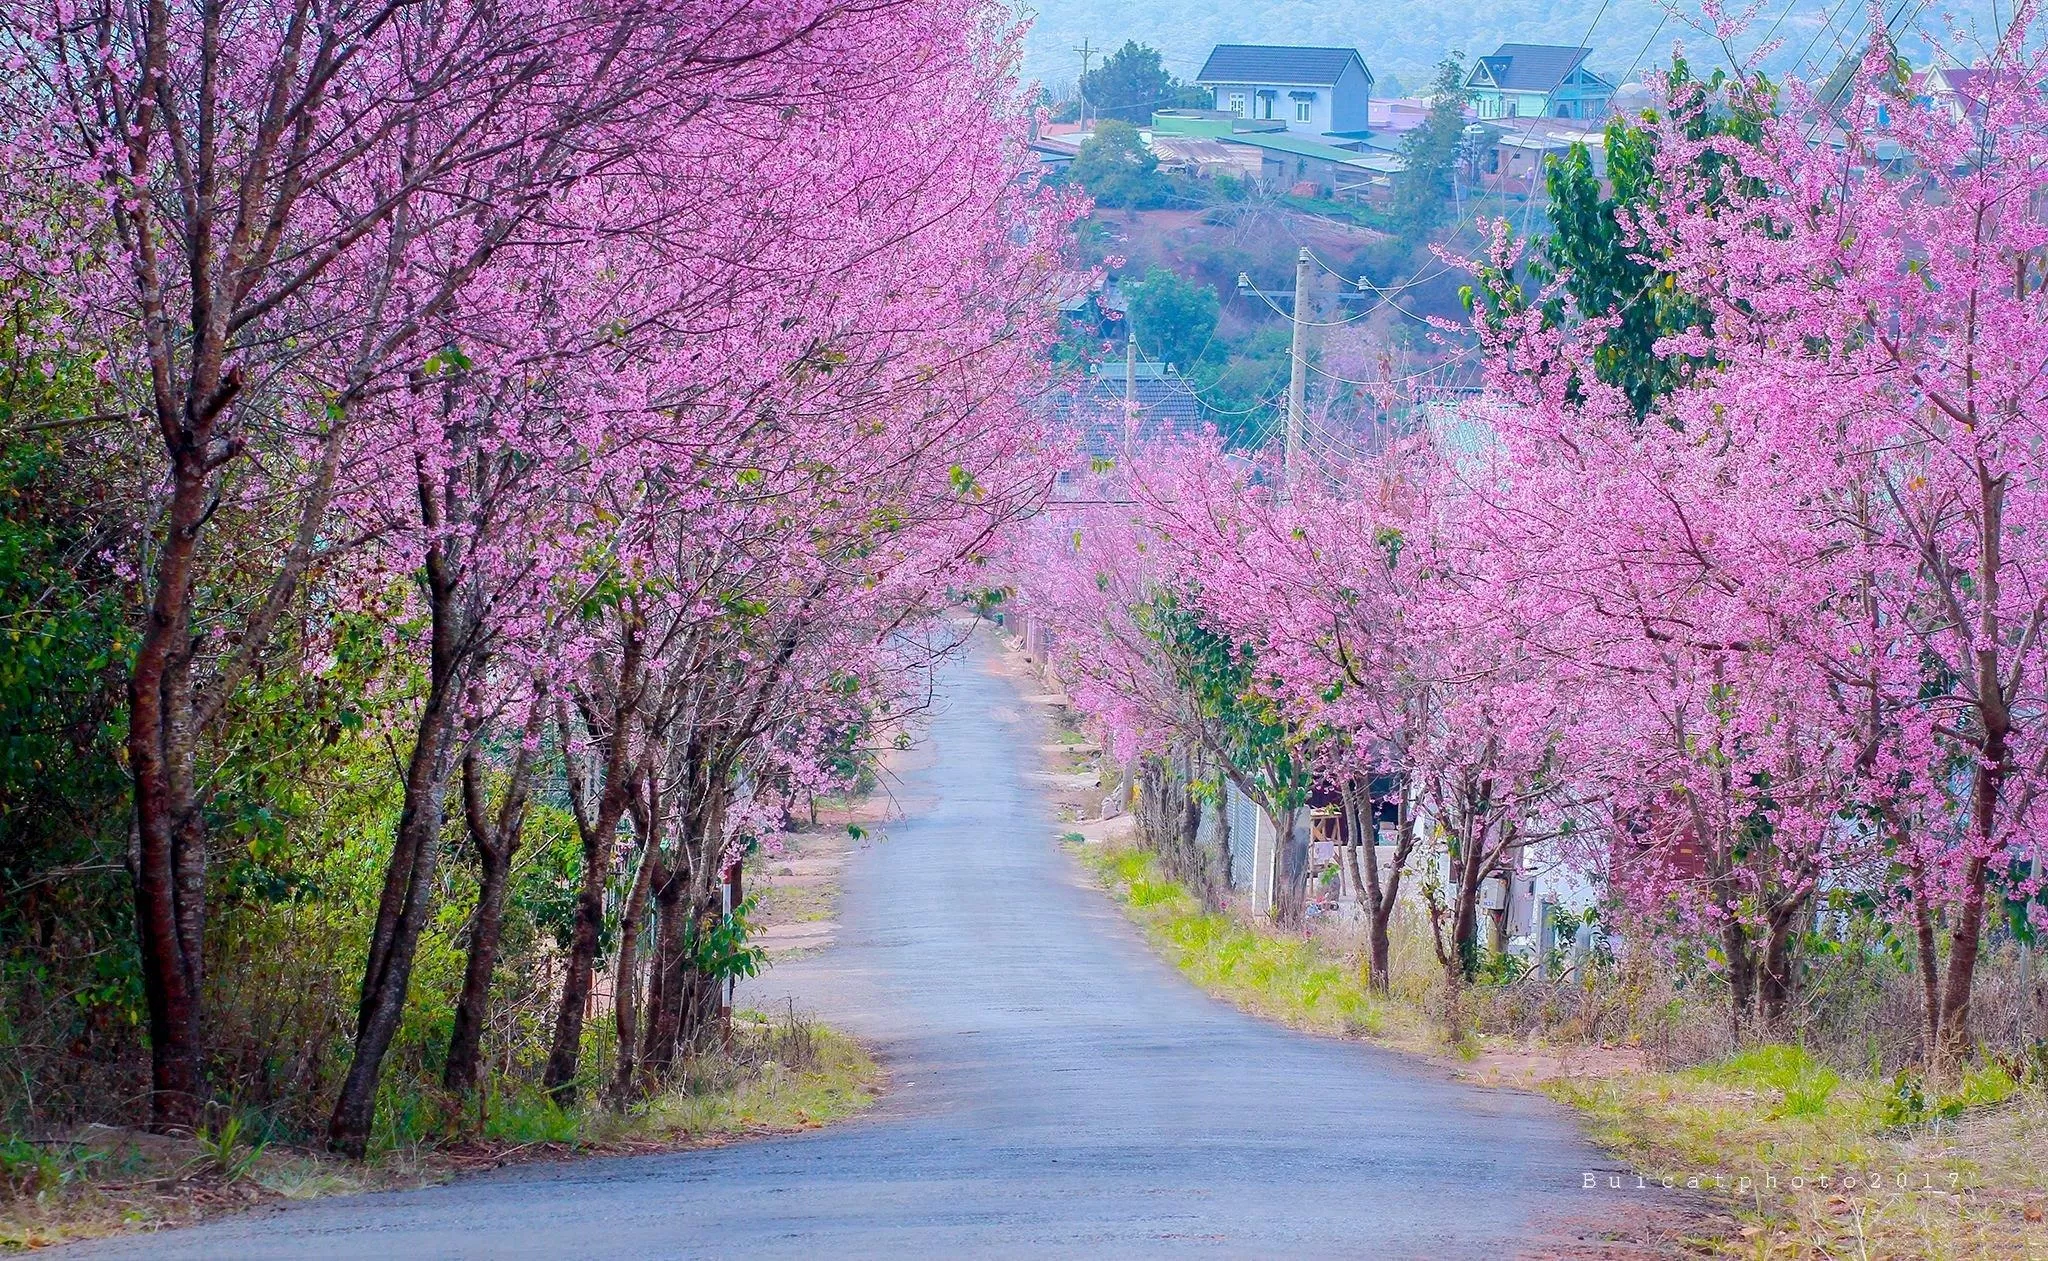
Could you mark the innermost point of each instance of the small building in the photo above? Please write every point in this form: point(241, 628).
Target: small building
point(1205, 158)
point(1396, 116)
point(1112, 410)
point(1308, 90)
point(1512, 159)
point(1054, 153)
point(1287, 162)
point(1538, 81)
point(1956, 91)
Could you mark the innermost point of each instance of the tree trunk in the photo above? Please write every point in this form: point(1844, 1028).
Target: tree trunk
point(1465, 914)
point(701, 996)
point(1290, 882)
point(1169, 818)
point(598, 834)
point(566, 1053)
point(401, 916)
point(1952, 1041)
point(647, 816)
point(1735, 944)
point(416, 850)
point(1930, 973)
point(472, 1007)
point(169, 860)
point(1994, 717)
point(1223, 841)
point(1381, 892)
point(690, 907)
point(1776, 980)
point(665, 981)
point(496, 842)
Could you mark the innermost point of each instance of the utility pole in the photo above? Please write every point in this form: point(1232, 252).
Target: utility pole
point(1081, 86)
point(1130, 382)
point(1297, 376)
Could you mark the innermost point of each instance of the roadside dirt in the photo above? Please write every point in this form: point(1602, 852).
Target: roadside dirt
point(798, 882)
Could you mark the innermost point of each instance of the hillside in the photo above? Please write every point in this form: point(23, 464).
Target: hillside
point(1404, 38)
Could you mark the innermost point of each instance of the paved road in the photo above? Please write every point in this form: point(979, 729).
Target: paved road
point(1057, 1091)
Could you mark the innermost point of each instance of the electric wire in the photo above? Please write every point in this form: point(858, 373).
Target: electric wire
point(1799, 66)
point(1131, 331)
point(1417, 375)
point(1500, 188)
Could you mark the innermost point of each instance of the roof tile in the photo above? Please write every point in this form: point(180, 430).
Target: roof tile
point(1531, 67)
point(1277, 63)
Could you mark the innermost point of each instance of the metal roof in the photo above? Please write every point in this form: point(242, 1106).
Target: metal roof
point(1278, 63)
point(1299, 148)
point(1275, 141)
point(1528, 67)
point(1094, 409)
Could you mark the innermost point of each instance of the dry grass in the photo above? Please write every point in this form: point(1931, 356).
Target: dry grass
point(776, 1077)
point(1816, 1165)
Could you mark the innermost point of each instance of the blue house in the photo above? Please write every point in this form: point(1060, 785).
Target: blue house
point(1308, 90)
point(1538, 81)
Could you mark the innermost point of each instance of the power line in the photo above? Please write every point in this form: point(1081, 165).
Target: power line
point(1644, 51)
point(1438, 366)
point(1500, 189)
point(1131, 330)
point(1782, 15)
point(1829, 25)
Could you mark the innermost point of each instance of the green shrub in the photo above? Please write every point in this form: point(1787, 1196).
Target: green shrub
point(1803, 1084)
point(528, 1116)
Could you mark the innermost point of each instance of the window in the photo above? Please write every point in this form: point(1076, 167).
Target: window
point(1237, 104)
point(1301, 111)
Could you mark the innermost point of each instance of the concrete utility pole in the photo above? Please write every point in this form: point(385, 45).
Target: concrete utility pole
point(1081, 85)
point(1130, 381)
point(1297, 376)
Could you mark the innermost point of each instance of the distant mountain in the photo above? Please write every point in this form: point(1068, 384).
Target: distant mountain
point(1405, 38)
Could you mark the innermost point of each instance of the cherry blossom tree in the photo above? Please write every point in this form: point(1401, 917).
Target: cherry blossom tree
point(414, 275)
point(1878, 307)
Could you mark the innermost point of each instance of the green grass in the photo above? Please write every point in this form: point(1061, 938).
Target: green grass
point(1793, 1146)
point(1286, 980)
point(530, 1117)
point(1802, 1084)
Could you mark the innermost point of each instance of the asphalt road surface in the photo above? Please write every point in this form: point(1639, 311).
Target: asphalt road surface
point(1056, 1091)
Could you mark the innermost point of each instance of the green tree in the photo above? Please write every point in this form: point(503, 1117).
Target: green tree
point(1242, 384)
point(1132, 83)
point(1117, 169)
point(1262, 751)
point(1602, 272)
point(1422, 192)
point(1174, 318)
point(1590, 255)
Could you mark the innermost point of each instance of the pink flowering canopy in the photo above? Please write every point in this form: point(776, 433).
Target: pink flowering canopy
point(1784, 635)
